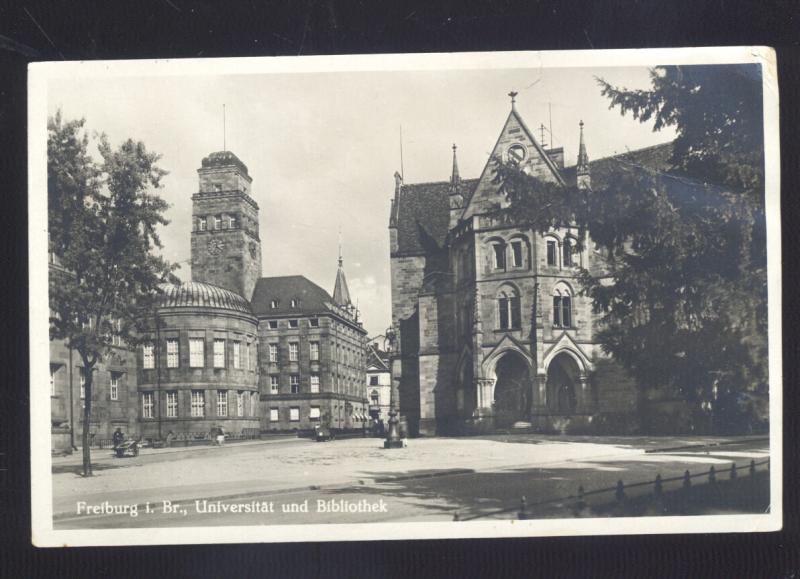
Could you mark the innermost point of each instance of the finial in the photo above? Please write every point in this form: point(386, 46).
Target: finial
point(454, 176)
point(581, 124)
point(340, 247)
point(513, 95)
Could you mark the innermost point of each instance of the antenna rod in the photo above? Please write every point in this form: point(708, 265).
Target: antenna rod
point(552, 140)
point(224, 142)
point(402, 173)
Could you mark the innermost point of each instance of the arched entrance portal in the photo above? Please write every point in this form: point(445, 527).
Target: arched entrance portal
point(511, 390)
point(563, 381)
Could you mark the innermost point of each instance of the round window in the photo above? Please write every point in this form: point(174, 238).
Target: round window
point(516, 154)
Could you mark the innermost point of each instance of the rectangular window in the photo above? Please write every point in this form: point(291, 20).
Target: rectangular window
point(294, 382)
point(503, 310)
point(217, 222)
point(516, 321)
point(246, 362)
point(148, 358)
point(172, 404)
point(114, 386)
point(292, 323)
point(314, 350)
point(294, 414)
point(147, 405)
point(551, 252)
point(273, 415)
point(198, 403)
point(82, 373)
point(240, 403)
point(203, 224)
point(567, 250)
point(197, 352)
point(313, 322)
point(53, 370)
point(516, 253)
point(222, 402)
point(273, 352)
point(273, 384)
point(219, 353)
point(557, 311)
point(116, 328)
point(231, 222)
point(499, 256)
point(566, 311)
point(172, 352)
point(273, 324)
point(313, 413)
point(373, 380)
point(293, 351)
point(237, 353)
point(314, 383)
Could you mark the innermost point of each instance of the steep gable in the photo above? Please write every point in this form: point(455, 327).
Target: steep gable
point(514, 139)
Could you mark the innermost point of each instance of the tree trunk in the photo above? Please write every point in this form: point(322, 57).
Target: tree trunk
point(87, 416)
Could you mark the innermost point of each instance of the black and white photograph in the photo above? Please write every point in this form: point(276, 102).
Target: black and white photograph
point(405, 296)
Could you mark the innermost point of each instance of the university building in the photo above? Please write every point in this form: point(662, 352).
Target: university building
point(227, 349)
point(492, 331)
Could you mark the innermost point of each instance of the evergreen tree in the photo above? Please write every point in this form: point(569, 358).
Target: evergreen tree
point(684, 297)
point(102, 228)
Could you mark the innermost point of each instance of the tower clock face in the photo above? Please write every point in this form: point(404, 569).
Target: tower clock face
point(215, 246)
point(516, 154)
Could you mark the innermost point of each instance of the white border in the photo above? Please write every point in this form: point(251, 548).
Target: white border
point(43, 534)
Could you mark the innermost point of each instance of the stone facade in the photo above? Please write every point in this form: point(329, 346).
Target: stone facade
point(492, 329)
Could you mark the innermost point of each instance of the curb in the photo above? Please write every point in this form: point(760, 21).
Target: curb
point(705, 445)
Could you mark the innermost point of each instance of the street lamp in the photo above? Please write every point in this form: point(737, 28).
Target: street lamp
point(393, 439)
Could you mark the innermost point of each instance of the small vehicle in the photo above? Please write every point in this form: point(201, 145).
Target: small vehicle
point(323, 433)
point(127, 448)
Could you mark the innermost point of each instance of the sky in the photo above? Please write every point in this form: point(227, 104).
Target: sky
point(322, 148)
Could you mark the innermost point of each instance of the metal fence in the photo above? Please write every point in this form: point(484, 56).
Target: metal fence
point(618, 501)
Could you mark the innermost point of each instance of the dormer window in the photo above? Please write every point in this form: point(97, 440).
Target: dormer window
point(273, 304)
point(293, 303)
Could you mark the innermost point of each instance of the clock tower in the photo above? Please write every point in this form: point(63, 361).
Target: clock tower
point(226, 248)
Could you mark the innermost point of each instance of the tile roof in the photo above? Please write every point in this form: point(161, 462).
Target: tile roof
point(654, 157)
point(377, 358)
point(423, 215)
point(310, 297)
point(192, 294)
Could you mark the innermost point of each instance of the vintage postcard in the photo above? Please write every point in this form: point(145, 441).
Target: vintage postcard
point(405, 296)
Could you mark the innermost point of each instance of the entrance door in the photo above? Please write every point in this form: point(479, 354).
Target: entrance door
point(511, 390)
point(562, 378)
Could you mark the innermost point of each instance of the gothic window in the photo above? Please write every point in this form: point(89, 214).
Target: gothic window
point(552, 254)
point(516, 253)
point(562, 308)
point(508, 309)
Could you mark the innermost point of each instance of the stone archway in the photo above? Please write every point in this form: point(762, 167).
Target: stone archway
point(563, 384)
point(511, 389)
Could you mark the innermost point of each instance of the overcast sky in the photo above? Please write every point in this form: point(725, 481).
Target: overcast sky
point(322, 148)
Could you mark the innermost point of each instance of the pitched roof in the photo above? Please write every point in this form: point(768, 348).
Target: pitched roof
point(311, 299)
point(423, 215)
point(377, 358)
point(341, 294)
point(655, 157)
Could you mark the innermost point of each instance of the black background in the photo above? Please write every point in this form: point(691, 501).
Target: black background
point(114, 29)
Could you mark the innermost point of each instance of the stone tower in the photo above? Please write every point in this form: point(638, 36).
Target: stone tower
point(226, 248)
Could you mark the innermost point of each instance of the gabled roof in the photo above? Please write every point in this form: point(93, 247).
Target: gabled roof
point(654, 157)
point(423, 215)
point(311, 298)
point(377, 358)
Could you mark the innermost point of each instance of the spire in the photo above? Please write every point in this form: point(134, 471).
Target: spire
point(583, 158)
point(455, 177)
point(582, 168)
point(341, 295)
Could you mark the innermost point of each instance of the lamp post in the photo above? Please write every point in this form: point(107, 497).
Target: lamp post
point(393, 439)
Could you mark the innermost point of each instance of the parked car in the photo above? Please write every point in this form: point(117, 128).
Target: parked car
point(323, 433)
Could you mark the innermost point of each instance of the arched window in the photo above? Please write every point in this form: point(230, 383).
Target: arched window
point(552, 251)
point(508, 309)
point(562, 307)
point(519, 246)
point(499, 254)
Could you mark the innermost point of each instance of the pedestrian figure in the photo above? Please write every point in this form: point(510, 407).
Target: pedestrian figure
point(117, 438)
point(220, 436)
point(170, 438)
